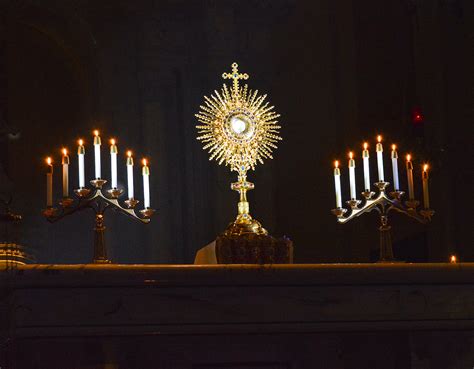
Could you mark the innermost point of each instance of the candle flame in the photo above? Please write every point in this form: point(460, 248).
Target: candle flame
point(49, 160)
point(366, 145)
point(394, 147)
point(408, 157)
point(112, 141)
point(425, 167)
point(453, 259)
point(379, 138)
point(129, 153)
point(80, 142)
point(144, 161)
point(351, 154)
point(96, 132)
point(336, 164)
point(64, 151)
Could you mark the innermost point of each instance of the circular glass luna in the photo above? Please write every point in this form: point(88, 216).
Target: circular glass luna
point(240, 126)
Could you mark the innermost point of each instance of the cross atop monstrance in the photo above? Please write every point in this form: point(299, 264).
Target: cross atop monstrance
point(235, 75)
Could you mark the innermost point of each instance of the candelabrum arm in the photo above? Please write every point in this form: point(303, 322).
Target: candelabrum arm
point(97, 202)
point(384, 205)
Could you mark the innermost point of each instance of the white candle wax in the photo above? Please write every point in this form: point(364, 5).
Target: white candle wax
point(113, 163)
point(49, 183)
point(365, 156)
point(337, 185)
point(379, 150)
point(80, 157)
point(426, 195)
point(65, 163)
point(97, 143)
point(396, 184)
point(146, 184)
point(130, 175)
point(352, 182)
point(411, 192)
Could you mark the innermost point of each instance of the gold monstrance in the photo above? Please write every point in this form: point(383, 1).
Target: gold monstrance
point(239, 128)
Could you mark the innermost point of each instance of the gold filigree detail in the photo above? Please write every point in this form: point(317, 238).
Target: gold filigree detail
point(238, 127)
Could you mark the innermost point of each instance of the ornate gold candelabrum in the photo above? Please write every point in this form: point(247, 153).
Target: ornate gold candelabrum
point(99, 203)
point(383, 204)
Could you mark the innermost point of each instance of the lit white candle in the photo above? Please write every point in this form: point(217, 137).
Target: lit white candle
point(49, 183)
point(396, 184)
point(113, 162)
point(146, 184)
point(411, 192)
point(65, 163)
point(337, 184)
point(379, 150)
point(352, 181)
point(365, 156)
point(426, 194)
point(80, 156)
point(97, 143)
point(130, 174)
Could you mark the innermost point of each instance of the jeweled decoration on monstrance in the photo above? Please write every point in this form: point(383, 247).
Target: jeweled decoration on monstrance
point(239, 128)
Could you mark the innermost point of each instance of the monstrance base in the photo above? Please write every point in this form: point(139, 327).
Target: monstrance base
point(245, 224)
point(245, 241)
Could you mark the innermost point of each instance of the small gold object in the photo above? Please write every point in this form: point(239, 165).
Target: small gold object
point(147, 213)
point(354, 204)
point(368, 194)
point(131, 203)
point(339, 212)
point(397, 195)
point(50, 211)
point(114, 193)
point(98, 183)
point(66, 202)
point(239, 129)
point(82, 192)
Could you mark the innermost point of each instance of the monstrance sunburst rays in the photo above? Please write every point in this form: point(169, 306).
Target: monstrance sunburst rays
point(239, 128)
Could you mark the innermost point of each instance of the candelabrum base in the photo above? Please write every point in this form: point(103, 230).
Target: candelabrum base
point(102, 261)
point(82, 192)
point(114, 193)
point(131, 203)
point(98, 183)
point(147, 213)
point(394, 261)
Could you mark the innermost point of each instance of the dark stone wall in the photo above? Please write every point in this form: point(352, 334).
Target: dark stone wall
point(338, 72)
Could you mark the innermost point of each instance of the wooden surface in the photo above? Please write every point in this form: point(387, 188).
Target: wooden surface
point(56, 300)
point(239, 316)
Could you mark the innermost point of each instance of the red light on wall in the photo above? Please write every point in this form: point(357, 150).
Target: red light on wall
point(417, 116)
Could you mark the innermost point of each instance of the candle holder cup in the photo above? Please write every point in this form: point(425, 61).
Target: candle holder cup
point(99, 203)
point(383, 204)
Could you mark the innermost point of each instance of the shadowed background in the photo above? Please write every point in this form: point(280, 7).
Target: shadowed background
point(339, 73)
